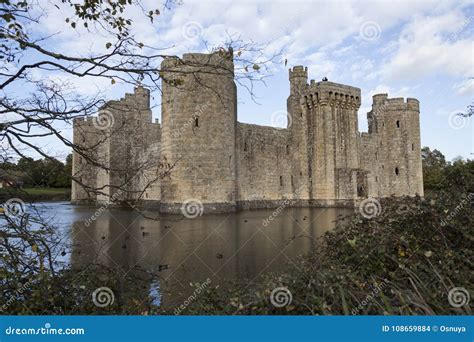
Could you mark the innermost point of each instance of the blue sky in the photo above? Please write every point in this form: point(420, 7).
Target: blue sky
point(421, 49)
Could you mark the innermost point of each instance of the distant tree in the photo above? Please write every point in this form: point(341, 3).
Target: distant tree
point(434, 163)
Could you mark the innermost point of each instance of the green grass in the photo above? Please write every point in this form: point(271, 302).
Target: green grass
point(45, 191)
point(38, 191)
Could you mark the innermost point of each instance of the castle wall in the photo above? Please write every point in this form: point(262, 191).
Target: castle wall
point(115, 141)
point(320, 159)
point(83, 169)
point(199, 113)
point(264, 164)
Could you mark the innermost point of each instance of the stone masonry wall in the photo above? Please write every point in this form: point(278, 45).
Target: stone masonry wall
point(264, 164)
point(320, 159)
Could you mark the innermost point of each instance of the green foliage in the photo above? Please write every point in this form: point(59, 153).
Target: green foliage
point(44, 173)
point(403, 261)
point(440, 176)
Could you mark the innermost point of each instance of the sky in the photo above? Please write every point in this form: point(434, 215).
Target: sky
point(421, 49)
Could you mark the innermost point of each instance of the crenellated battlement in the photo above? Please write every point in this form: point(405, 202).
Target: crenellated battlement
point(333, 93)
point(381, 102)
point(220, 62)
point(298, 71)
point(320, 158)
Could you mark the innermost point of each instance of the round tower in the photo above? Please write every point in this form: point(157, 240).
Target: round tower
point(298, 127)
point(298, 79)
point(199, 117)
point(397, 123)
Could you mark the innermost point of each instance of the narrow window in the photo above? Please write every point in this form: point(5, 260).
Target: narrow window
point(376, 179)
point(398, 123)
point(292, 180)
point(287, 149)
point(382, 166)
point(396, 171)
point(245, 146)
point(412, 147)
point(196, 122)
point(281, 180)
point(301, 174)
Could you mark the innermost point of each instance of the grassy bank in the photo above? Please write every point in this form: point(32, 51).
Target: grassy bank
point(36, 194)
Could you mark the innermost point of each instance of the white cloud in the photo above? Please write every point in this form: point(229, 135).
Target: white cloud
point(425, 46)
point(465, 87)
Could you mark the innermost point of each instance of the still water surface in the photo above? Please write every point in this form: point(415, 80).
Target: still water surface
point(220, 247)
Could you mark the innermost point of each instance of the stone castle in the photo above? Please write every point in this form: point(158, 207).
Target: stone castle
point(201, 153)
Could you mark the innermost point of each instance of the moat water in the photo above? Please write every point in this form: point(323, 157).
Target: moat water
point(243, 245)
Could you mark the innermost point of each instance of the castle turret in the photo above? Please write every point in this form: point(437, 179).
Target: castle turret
point(331, 111)
point(199, 114)
point(298, 79)
point(298, 126)
point(394, 126)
